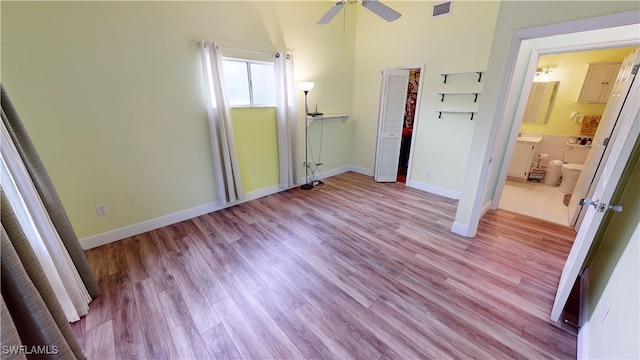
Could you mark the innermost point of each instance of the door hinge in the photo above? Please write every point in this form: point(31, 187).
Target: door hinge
point(634, 71)
point(605, 142)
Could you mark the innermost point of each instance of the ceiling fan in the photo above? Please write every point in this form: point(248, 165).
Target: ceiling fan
point(375, 6)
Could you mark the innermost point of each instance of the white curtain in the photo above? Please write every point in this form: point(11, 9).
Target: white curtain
point(41, 233)
point(287, 121)
point(223, 147)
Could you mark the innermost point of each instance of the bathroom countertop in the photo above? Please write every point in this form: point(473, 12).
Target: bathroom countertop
point(529, 139)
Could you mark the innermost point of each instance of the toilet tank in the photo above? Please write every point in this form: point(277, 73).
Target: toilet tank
point(575, 154)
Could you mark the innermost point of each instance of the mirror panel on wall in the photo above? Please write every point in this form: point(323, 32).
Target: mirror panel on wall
point(540, 103)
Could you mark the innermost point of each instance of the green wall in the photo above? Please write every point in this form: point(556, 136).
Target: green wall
point(454, 43)
point(112, 95)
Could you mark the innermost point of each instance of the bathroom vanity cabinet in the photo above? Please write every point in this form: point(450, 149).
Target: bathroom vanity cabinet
point(522, 157)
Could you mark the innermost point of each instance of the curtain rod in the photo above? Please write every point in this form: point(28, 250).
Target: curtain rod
point(199, 43)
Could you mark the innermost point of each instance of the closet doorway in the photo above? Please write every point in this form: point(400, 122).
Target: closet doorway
point(407, 128)
point(397, 117)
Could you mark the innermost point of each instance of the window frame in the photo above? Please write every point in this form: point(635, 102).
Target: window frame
point(248, 63)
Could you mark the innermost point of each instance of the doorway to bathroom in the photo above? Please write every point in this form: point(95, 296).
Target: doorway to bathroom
point(565, 126)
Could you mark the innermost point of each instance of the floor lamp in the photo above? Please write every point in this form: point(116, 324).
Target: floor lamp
point(306, 87)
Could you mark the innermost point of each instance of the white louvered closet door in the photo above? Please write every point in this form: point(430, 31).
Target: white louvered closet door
point(393, 98)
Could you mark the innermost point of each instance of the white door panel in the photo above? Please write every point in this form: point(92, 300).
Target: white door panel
point(597, 156)
point(616, 154)
point(393, 100)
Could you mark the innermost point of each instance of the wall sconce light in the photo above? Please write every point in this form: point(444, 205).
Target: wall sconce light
point(543, 74)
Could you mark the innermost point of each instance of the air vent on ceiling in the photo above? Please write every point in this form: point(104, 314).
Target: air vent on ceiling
point(442, 9)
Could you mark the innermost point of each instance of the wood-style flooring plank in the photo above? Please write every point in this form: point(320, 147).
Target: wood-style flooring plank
point(116, 258)
point(247, 341)
point(324, 330)
point(153, 252)
point(154, 323)
point(274, 338)
point(182, 330)
point(219, 344)
point(99, 308)
point(100, 343)
point(198, 303)
point(307, 343)
point(126, 321)
point(133, 253)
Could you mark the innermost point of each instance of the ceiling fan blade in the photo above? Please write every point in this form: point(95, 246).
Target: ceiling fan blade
point(381, 10)
point(335, 9)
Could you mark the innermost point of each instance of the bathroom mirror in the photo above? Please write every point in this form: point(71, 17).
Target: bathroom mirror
point(540, 103)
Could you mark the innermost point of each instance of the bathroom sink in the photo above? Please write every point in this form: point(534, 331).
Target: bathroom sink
point(529, 139)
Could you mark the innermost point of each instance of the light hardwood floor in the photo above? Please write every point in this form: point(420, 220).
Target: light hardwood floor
point(358, 270)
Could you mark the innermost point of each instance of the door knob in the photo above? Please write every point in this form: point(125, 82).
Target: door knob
point(588, 202)
point(616, 208)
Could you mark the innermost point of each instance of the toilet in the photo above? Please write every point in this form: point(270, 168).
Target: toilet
point(570, 175)
point(574, 157)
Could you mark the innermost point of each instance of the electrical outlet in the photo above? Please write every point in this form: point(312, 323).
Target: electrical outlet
point(427, 174)
point(101, 209)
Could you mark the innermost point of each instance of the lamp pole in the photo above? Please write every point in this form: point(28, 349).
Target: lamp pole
point(306, 86)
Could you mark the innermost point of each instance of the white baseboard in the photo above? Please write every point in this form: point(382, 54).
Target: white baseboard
point(448, 193)
point(460, 229)
point(485, 208)
point(334, 172)
point(152, 224)
point(139, 228)
point(361, 170)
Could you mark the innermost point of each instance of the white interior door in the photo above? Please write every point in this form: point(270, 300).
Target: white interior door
point(393, 99)
point(605, 133)
point(616, 153)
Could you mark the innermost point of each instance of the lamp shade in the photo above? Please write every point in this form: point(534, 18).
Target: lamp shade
point(306, 85)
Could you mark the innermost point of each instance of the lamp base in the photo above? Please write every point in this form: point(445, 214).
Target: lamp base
point(306, 186)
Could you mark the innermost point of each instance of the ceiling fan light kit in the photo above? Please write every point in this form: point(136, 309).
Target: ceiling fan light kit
point(374, 6)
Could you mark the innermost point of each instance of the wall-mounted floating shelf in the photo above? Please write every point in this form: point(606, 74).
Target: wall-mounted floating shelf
point(471, 112)
point(460, 105)
point(479, 72)
point(313, 118)
point(475, 93)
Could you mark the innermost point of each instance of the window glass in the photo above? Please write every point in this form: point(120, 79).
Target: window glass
point(263, 84)
point(236, 81)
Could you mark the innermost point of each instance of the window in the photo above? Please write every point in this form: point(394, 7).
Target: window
point(249, 83)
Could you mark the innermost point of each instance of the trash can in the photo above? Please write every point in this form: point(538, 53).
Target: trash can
point(554, 172)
